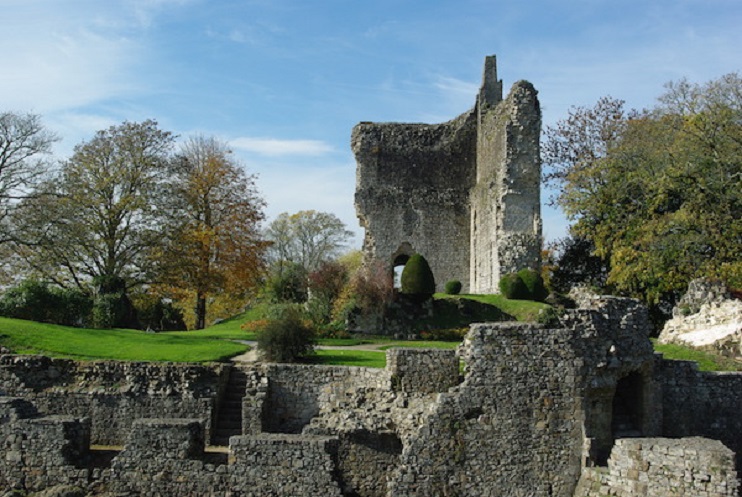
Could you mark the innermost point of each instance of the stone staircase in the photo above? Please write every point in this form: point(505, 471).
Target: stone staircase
point(229, 421)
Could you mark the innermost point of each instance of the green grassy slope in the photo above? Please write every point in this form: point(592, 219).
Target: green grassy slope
point(28, 337)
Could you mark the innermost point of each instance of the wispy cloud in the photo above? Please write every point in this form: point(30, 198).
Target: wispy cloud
point(60, 61)
point(274, 147)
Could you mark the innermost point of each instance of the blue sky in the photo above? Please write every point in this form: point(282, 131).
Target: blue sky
point(284, 81)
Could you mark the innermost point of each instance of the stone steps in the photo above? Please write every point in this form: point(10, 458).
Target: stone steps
point(229, 420)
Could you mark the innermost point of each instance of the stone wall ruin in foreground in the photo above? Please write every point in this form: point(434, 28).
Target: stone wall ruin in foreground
point(579, 410)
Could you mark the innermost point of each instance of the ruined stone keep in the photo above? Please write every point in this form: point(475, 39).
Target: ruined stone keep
point(465, 194)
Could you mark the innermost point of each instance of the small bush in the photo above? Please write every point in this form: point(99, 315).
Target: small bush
point(534, 283)
point(369, 291)
point(417, 278)
point(112, 307)
point(36, 301)
point(286, 339)
point(548, 317)
point(513, 287)
point(453, 287)
point(288, 283)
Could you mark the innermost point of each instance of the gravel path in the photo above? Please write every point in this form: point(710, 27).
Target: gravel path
point(252, 354)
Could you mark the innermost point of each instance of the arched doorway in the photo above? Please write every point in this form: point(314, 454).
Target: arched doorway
point(399, 259)
point(615, 411)
point(398, 267)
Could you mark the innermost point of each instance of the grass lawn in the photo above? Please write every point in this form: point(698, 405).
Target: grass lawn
point(705, 360)
point(420, 344)
point(365, 358)
point(521, 310)
point(28, 337)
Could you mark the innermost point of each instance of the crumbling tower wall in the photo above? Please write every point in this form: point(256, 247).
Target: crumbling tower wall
point(412, 192)
point(505, 203)
point(465, 194)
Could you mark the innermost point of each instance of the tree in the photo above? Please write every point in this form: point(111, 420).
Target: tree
point(24, 142)
point(658, 193)
point(576, 264)
point(97, 218)
point(214, 215)
point(308, 238)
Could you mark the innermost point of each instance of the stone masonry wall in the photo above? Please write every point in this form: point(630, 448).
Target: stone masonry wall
point(465, 194)
point(698, 403)
point(536, 411)
point(113, 394)
point(38, 452)
point(296, 393)
point(661, 467)
point(506, 202)
point(513, 427)
point(412, 192)
point(166, 457)
point(423, 370)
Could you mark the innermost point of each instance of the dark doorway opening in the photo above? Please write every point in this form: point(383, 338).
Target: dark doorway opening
point(628, 407)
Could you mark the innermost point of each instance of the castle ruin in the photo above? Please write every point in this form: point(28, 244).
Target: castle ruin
point(465, 194)
point(582, 409)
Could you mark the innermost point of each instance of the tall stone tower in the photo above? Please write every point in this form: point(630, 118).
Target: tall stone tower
point(465, 194)
point(506, 200)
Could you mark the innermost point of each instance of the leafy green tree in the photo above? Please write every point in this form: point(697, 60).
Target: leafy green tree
point(98, 216)
point(287, 283)
point(658, 192)
point(576, 263)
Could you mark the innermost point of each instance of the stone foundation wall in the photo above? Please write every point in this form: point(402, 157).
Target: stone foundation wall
point(39, 452)
point(166, 457)
point(513, 427)
point(659, 467)
point(113, 394)
point(697, 403)
point(423, 370)
point(536, 408)
point(296, 393)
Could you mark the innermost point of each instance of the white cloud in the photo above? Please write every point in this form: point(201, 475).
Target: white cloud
point(274, 147)
point(59, 60)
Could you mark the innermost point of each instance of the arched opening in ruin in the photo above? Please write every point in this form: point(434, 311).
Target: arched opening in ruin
point(615, 412)
point(399, 259)
point(628, 407)
point(399, 263)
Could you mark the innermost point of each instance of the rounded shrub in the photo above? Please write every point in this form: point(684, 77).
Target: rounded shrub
point(513, 287)
point(534, 283)
point(453, 287)
point(286, 339)
point(417, 278)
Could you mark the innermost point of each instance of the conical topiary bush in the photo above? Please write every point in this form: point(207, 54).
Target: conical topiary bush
point(417, 279)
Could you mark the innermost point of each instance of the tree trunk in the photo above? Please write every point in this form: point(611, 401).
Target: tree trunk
point(200, 311)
